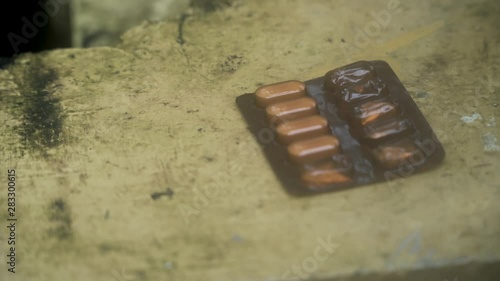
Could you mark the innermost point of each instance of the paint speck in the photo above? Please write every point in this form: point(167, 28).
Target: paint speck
point(421, 95)
point(472, 118)
point(168, 265)
point(491, 122)
point(168, 192)
point(237, 238)
point(491, 143)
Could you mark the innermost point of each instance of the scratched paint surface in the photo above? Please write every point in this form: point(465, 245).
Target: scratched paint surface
point(134, 163)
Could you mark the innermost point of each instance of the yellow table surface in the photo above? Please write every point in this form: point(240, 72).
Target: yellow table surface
point(93, 133)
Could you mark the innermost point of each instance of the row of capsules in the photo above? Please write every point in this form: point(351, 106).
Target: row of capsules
point(299, 126)
point(363, 100)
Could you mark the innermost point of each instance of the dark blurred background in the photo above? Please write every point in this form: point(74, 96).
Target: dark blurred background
point(37, 25)
point(32, 26)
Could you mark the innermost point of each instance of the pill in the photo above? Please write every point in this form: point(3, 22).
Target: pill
point(279, 92)
point(291, 110)
point(355, 73)
point(385, 128)
point(353, 83)
point(311, 150)
point(373, 110)
point(325, 173)
point(359, 93)
point(391, 156)
point(301, 129)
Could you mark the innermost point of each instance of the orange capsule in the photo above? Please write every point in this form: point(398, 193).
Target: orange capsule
point(325, 173)
point(390, 156)
point(301, 129)
point(279, 92)
point(384, 128)
point(373, 110)
point(291, 110)
point(311, 150)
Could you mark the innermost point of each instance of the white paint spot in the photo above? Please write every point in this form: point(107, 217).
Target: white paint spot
point(168, 265)
point(490, 143)
point(491, 122)
point(472, 118)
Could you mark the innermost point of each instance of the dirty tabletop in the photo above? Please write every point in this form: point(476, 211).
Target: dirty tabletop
point(133, 163)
